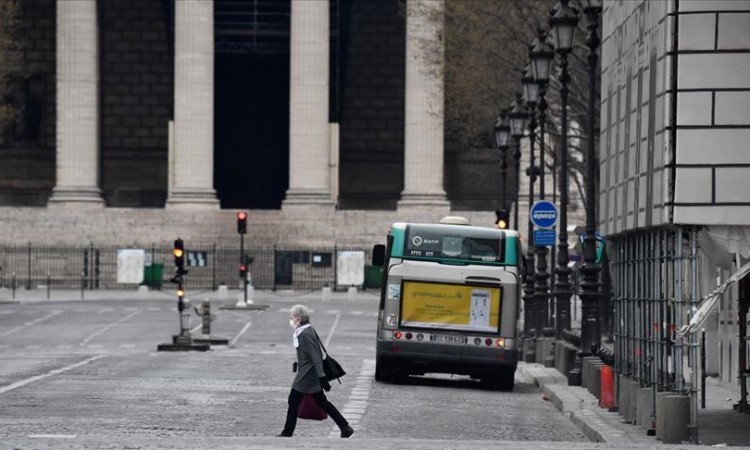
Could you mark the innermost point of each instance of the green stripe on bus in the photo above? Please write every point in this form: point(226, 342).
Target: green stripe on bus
point(511, 250)
point(398, 242)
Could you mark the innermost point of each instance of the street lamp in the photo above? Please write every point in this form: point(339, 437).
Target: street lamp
point(502, 139)
point(541, 55)
point(531, 96)
point(517, 117)
point(563, 24)
point(590, 286)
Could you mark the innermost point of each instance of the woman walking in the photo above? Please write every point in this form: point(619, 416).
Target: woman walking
point(310, 378)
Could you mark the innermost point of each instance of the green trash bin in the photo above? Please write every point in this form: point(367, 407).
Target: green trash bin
point(152, 275)
point(373, 276)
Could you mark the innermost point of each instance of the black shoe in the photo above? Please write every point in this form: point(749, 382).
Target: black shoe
point(347, 431)
point(282, 434)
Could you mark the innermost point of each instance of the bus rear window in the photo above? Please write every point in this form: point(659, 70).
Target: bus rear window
point(439, 242)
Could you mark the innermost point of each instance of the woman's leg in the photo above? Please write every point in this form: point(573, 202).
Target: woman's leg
point(295, 398)
point(322, 401)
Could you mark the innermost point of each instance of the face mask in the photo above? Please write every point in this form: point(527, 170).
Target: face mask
point(292, 324)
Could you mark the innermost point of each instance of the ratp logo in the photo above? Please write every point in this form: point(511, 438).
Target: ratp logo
point(416, 241)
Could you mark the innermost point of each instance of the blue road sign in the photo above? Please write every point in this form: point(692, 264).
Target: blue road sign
point(544, 238)
point(544, 214)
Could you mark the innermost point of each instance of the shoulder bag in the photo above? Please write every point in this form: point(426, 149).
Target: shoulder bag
point(309, 409)
point(331, 367)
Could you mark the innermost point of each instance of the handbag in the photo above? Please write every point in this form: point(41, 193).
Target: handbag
point(331, 367)
point(309, 409)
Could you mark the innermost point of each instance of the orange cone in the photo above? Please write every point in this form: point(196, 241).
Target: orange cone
point(607, 397)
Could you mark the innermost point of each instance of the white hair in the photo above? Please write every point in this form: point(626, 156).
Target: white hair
point(301, 312)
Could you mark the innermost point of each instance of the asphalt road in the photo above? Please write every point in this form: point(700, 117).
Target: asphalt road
point(86, 374)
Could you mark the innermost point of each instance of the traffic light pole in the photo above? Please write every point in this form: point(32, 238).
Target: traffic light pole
point(242, 263)
point(183, 341)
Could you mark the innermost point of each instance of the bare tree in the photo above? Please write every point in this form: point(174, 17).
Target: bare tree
point(486, 51)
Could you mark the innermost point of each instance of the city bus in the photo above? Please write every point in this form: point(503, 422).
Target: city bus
point(449, 302)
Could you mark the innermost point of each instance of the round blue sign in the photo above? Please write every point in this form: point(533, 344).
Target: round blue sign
point(544, 214)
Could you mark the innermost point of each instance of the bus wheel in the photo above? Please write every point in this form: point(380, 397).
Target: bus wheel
point(382, 371)
point(502, 381)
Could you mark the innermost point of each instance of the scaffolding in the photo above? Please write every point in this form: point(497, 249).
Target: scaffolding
point(655, 287)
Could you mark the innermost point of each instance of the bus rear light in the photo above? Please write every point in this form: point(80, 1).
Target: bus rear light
point(477, 341)
point(420, 336)
point(488, 341)
point(395, 349)
point(500, 342)
point(408, 335)
point(397, 335)
point(501, 356)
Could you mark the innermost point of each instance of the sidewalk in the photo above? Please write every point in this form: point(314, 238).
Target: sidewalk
point(718, 425)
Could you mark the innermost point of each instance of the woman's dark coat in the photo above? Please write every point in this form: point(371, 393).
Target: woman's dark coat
point(309, 363)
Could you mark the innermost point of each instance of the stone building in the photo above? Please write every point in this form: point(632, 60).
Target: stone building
point(675, 169)
point(146, 118)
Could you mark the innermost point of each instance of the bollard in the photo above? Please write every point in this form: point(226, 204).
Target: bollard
point(675, 413)
point(206, 316)
point(325, 295)
point(607, 388)
point(83, 283)
point(635, 385)
point(645, 420)
point(14, 285)
point(48, 282)
point(351, 293)
point(623, 402)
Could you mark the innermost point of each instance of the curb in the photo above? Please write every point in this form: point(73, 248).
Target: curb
point(577, 403)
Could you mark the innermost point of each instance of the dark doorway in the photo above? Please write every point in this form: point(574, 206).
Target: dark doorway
point(251, 130)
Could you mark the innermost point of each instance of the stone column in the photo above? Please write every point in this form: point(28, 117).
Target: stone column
point(77, 105)
point(309, 140)
point(192, 165)
point(423, 143)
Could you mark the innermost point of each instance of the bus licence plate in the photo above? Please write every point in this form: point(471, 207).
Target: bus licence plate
point(448, 339)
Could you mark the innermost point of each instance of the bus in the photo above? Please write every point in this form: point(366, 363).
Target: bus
point(449, 302)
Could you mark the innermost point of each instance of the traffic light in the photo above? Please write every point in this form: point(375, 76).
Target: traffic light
point(179, 256)
point(243, 271)
point(502, 220)
point(242, 222)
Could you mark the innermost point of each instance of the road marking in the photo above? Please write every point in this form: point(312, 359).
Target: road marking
point(64, 346)
point(103, 310)
point(127, 345)
point(7, 312)
point(33, 322)
point(31, 347)
point(333, 329)
point(357, 404)
point(357, 313)
point(239, 335)
point(53, 436)
point(102, 330)
point(23, 383)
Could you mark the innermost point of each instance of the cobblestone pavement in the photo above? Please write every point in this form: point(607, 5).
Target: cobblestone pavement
point(86, 374)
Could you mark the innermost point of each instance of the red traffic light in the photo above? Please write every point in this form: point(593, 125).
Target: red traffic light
point(242, 222)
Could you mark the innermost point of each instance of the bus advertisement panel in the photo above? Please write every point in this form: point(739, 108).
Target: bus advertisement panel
point(446, 306)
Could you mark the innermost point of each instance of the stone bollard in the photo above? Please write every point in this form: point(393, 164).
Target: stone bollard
point(326, 294)
point(142, 291)
point(529, 350)
point(660, 415)
point(352, 293)
point(674, 411)
point(633, 389)
point(645, 409)
point(587, 372)
point(623, 397)
point(223, 292)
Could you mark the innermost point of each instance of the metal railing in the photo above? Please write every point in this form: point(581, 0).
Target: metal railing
point(34, 266)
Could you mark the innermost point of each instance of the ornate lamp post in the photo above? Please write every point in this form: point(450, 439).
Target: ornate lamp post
point(541, 55)
point(563, 24)
point(531, 95)
point(517, 117)
point(502, 139)
point(590, 286)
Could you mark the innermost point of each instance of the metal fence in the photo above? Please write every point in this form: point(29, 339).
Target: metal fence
point(33, 266)
point(655, 284)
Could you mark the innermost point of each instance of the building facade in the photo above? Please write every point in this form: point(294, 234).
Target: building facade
point(675, 166)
